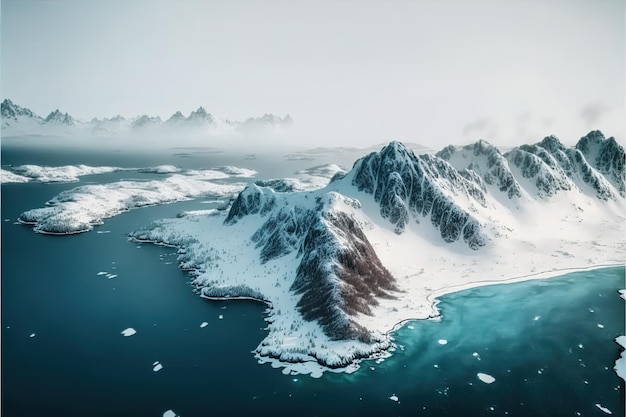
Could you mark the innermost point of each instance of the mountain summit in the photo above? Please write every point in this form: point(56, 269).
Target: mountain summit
point(18, 120)
point(342, 265)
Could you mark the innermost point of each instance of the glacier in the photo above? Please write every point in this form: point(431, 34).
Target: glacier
point(341, 267)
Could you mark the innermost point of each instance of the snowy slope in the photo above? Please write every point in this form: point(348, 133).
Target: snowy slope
point(341, 266)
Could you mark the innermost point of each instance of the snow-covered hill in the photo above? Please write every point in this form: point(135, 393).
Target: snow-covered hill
point(341, 266)
point(18, 120)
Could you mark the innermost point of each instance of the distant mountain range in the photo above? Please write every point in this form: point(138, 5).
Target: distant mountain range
point(17, 120)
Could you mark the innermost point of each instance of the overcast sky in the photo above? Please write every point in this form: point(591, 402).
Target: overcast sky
point(348, 72)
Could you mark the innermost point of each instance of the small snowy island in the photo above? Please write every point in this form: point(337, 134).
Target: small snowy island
point(342, 266)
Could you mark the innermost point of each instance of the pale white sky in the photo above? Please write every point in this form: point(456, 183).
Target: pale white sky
point(348, 72)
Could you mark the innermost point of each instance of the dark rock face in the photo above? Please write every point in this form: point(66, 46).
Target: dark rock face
point(339, 276)
point(553, 168)
point(533, 161)
point(606, 156)
point(10, 110)
point(279, 184)
point(407, 186)
point(251, 200)
point(495, 171)
point(283, 232)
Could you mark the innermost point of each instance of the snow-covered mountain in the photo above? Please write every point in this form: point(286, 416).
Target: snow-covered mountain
point(266, 121)
point(58, 118)
point(145, 122)
point(14, 116)
point(18, 120)
point(343, 265)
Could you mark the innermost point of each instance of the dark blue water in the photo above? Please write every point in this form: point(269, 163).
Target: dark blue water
point(78, 363)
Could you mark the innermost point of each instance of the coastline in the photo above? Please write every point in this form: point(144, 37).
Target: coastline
point(314, 365)
point(433, 296)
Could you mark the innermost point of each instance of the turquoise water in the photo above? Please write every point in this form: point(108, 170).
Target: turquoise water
point(540, 340)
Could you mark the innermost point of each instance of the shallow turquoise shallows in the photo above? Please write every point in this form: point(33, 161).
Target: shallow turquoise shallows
point(547, 344)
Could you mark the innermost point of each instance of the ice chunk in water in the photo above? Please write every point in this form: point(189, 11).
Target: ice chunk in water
point(486, 378)
point(129, 332)
point(606, 410)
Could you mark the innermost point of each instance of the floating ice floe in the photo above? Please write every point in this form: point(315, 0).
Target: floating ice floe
point(601, 326)
point(537, 318)
point(32, 335)
point(156, 366)
point(622, 293)
point(128, 332)
point(606, 410)
point(204, 324)
point(486, 378)
point(442, 341)
point(394, 397)
point(220, 317)
point(170, 413)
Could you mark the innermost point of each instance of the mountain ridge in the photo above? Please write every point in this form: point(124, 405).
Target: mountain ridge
point(23, 120)
point(342, 265)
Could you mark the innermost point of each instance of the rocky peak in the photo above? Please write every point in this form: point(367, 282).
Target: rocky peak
point(606, 156)
point(145, 120)
point(252, 200)
point(60, 118)
point(589, 141)
point(551, 144)
point(410, 187)
point(176, 117)
point(201, 115)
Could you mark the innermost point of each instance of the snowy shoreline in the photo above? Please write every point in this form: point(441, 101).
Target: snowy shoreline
point(434, 296)
point(312, 364)
point(343, 267)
